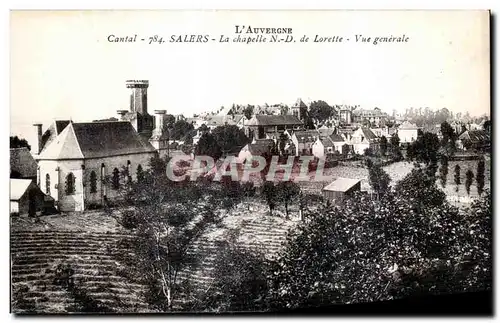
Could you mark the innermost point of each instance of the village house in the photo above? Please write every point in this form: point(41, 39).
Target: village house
point(340, 143)
point(375, 117)
point(407, 132)
point(322, 147)
point(213, 122)
point(325, 131)
point(362, 139)
point(26, 198)
point(474, 140)
point(261, 126)
point(304, 141)
point(258, 147)
point(340, 189)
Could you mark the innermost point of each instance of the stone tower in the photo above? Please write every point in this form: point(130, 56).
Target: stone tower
point(138, 114)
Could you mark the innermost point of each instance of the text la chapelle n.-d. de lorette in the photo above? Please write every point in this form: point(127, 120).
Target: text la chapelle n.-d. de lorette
point(249, 35)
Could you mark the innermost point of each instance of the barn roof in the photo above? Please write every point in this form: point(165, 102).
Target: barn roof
point(96, 139)
point(274, 120)
point(23, 162)
point(18, 188)
point(341, 184)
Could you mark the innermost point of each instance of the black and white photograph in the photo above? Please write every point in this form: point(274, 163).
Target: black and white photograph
point(250, 161)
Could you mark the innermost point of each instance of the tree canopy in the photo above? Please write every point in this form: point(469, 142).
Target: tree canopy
point(16, 142)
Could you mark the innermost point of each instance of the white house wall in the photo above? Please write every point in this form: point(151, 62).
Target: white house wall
point(58, 171)
point(110, 163)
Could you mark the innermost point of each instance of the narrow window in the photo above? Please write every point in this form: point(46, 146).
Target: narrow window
point(93, 182)
point(70, 184)
point(116, 178)
point(47, 184)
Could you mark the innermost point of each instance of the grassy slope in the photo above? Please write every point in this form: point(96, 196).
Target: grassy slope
point(89, 242)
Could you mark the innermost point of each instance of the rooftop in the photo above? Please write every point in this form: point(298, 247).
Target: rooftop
point(341, 184)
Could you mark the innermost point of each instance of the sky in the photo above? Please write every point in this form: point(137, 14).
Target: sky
point(63, 67)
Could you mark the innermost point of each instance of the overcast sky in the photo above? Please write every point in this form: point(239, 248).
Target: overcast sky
point(62, 65)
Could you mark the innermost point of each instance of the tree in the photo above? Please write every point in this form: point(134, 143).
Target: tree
point(449, 137)
point(248, 111)
point(469, 177)
point(167, 218)
point(443, 171)
point(180, 129)
point(16, 142)
point(379, 179)
point(425, 148)
point(487, 125)
point(230, 138)
point(320, 111)
point(270, 194)
point(419, 187)
point(480, 176)
point(457, 176)
point(240, 280)
point(383, 145)
point(379, 251)
point(395, 148)
point(287, 191)
point(208, 146)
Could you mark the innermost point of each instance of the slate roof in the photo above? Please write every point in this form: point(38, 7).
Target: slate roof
point(260, 147)
point(336, 137)
point(306, 135)
point(368, 134)
point(97, 139)
point(475, 135)
point(18, 188)
point(52, 131)
point(274, 120)
point(23, 162)
point(327, 142)
point(325, 131)
point(220, 120)
point(341, 184)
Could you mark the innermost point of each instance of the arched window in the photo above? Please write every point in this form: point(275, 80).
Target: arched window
point(47, 184)
point(70, 184)
point(116, 178)
point(93, 182)
point(140, 173)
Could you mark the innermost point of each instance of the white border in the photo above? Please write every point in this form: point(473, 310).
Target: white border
point(189, 4)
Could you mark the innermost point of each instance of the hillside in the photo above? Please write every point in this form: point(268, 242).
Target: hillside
point(102, 281)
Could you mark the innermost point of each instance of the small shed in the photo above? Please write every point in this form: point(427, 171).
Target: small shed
point(341, 188)
point(27, 198)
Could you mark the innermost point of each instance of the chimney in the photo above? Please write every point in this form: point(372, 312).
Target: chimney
point(39, 136)
point(121, 113)
point(159, 118)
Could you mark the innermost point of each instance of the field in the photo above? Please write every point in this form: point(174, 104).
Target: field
point(357, 171)
point(94, 245)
